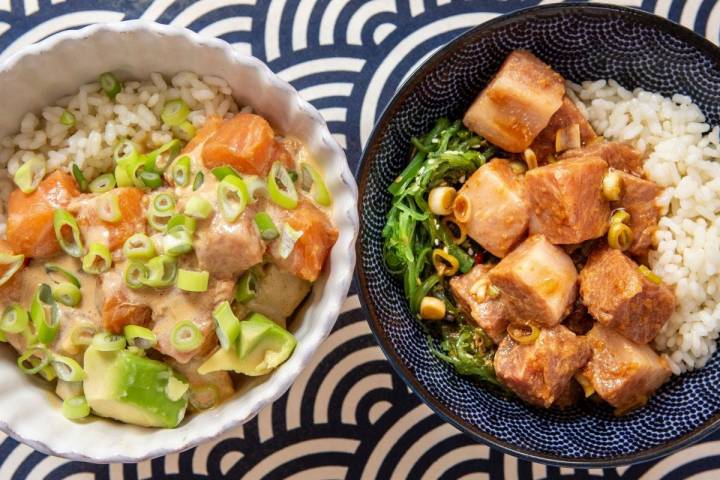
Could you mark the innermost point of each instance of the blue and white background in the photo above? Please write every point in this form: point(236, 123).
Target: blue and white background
point(348, 415)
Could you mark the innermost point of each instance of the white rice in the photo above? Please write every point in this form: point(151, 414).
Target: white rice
point(102, 123)
point(682, 153)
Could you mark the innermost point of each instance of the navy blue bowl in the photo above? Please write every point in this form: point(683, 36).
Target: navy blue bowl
point(581, 42)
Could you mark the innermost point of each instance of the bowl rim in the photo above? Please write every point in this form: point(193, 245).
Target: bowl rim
point(679, 31)
point(335, 293)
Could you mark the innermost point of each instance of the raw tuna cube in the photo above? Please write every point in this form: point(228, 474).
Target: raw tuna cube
point(639, 199)
point(566, 117)
point(618, 155)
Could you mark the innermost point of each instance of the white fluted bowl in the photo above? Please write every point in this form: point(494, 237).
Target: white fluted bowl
point(40, 74)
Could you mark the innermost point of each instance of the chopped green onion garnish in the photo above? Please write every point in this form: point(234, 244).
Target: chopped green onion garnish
point(256, 186)
point(174, 112)
point(125, 153)
point(103, 183)
point(650, 275)
point(30, 174)
point(159, 159)
point(67, 294)
point(75, 408)
point(163, 202)
point(110, 85)
point(51, 269)
point(313, 181)
point(186, 336)
point(12, 264)
point(139, 337)
point(79, 178)
point(177, 241)
point(224, 171)
point(98, 259)
point(139, 247)
point(288, 239)
point(180, 171)
point(44, 314)
point(281, 189)
point(246, 288)
point(108, 342)
point(83, 333)
point(136, 351)
point(39, 353)
point(268, 230)
point(122, 177)
point(108, 207)
point(162, 271)
point(232, 197)
point(198, 207)
point(227, 325)
point(158, 220)
point(150, 179)
point(185, 131)
point(180, 220)
point(192, 281)
point(62, 222)
point(67, 369)
point(67, 118)
point(14, 319)
point(47, 372)
point(199, 179)
point(135, 274)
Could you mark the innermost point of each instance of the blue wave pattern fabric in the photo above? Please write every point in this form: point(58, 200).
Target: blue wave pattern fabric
point(348, 415)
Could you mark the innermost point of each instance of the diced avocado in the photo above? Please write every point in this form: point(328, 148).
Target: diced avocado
point(133, 389)
point(261, 346)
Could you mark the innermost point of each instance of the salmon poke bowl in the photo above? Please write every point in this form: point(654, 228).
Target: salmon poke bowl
point(551, 235)
point(168, 241)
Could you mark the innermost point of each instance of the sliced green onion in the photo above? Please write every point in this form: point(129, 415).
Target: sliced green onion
point(79, 178)
point(162, 271)
point(150, 179)
point(62, 221)
point(103, 183)
point(67, 118)
point(47, 372)
point(192, 281)
point(108, 342)
point(14, 319)
point(39, 353)
point(83, 333)
point(288, 239)
point(204, 397)
point(135, 169)
point(159, 159)
point(246, 288)
point(67, 294)
point(125, 153)
point(136, 351)
point(163, 202)
point(180, 171)
point(135, 275)
point(157, 220)
point(199, 179)
point(186, 336)
point(122, 177)
point(281, 188)
point(67, 369)
point(227, 325)
point(110, 85)
point(108, 207)
point(232, 197)
point(198, 207)
point(185, 131)
point(268, 230)
point(98, 259)
point(139, 247)
point(224, 171)
point(51, 269)
point(30, 174)
point(650, 275)
point(174, 112)
point(75, 408)
point(256, 186)
point(313, 181)
point(180, 220)
point(177, 241)
point(11, 263)
point(44, 314)
point(139, 337)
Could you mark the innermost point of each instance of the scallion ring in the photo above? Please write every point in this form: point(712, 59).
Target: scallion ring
point(232, 197)
point(67, 118)
point(135, 275)
point(65, 225)
point(75, 408)
point(108, 342)
point(177, 241)
point(268, 230)
point(246, 288)
point(14, 319)
point(110, 85)
point(67, 369)
point(140, 337)
point(53, 269)
point(199, 179)
point(108, 207)
point(103, 183)
point(180, 171)
point(224, 171)
point(163, 202)
point(39, 353)
point(79, 178)
point(122, 178)
point(10, 264)
point(139, 247)
point(281, 188)
point(158, 220)
point(227, 325)
point(185, 131)
point(151, 180)
point(312, 178)
point(125, 153)
point(159, 159)
point(180, 220)
point(192, 281)
point(97, 260)
point(44, 314)
point(198, 207)
point(29, 175)
point(256, 186)
point(161, 271)
point(174, 112)
point(186, 336)
point(83, 333)
point(67, 294)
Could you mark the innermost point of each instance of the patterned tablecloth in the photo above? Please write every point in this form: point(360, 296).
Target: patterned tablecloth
point(348, 415)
